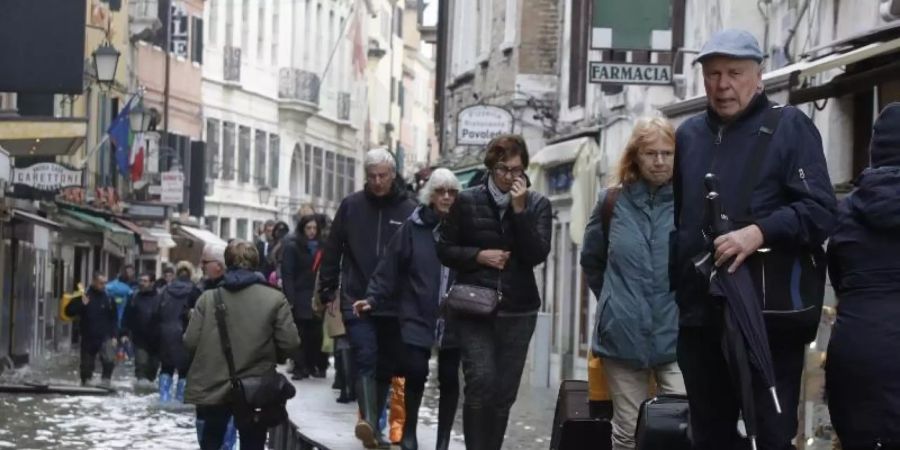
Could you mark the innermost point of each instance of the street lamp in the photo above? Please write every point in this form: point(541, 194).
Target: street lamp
point(106, 60)
point(140, 118)
point(264, 193)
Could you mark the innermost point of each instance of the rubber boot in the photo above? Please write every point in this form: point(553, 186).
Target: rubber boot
point(478, 427)
point(383, 390)
point(348, 392)
point(412, 401)
point(447, 404)
point(179, 389)
point(366, 428)
point(165, 388)
point(397, 410)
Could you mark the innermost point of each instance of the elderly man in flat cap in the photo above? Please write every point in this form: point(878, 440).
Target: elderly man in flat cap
point(774, 188)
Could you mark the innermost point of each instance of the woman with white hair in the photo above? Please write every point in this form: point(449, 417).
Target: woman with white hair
point(410, 274)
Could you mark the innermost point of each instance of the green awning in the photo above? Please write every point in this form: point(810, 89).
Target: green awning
point(116, 239)
point(466, 176)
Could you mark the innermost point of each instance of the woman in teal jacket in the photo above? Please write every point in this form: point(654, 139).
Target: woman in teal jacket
point(637, 319)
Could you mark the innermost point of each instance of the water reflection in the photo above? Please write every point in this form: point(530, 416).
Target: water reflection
point(127, 419)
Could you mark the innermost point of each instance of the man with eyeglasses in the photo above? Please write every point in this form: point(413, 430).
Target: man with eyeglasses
point(364, 223)
point(786, 207)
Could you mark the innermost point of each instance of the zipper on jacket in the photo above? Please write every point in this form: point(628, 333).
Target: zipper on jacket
point(378, 236)
point(803, 179)
point(715, 153)
point(719, 134)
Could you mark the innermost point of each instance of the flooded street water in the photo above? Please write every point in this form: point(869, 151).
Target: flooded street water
point(126, 419)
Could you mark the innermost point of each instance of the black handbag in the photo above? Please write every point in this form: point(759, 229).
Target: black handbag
point(471, 300)
point(259, 400)
point(663, 424)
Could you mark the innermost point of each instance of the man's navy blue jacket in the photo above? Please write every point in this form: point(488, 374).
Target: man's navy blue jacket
point(793, 201)
point(362, 228)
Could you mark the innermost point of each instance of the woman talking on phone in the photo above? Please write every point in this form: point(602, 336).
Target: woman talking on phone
point(493, 237)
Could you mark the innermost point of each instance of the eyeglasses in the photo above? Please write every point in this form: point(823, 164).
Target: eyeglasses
point(440, 192)
point(651, 155)
point(502, 170)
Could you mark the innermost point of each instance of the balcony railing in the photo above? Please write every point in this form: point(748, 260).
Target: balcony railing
point(144, 16)
point(298, 85)
point(232, 67)
point(343, 106)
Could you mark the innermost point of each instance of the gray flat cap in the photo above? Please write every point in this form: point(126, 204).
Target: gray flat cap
point(733, 43)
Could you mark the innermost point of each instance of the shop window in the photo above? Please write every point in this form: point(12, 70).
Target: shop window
point(212, 224)
point(317, 172)
point(259, 150)
point(274, 154)
point(329, 175)
point(559, 178)
point(351, 176)
point(212, 148)
point(307, 168)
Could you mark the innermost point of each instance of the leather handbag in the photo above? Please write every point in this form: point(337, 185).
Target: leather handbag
point(472, 300)
point(663, 424)
point(259, 400)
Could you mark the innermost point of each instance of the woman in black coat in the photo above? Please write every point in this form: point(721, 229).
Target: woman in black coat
point(493, 238)
point(301, 257)
point(175, 303)
point(862, 370)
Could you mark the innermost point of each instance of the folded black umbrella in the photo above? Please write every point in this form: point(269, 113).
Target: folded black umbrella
point(745, 343)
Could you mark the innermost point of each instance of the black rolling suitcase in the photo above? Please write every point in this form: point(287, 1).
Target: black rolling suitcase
point(577, 425)
point(663, 424)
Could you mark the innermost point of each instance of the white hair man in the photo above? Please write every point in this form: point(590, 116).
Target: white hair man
point(775, 190)
point(362, 227)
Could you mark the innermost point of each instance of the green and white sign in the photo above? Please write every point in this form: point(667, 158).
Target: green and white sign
point(624, 73)
point(632, 25)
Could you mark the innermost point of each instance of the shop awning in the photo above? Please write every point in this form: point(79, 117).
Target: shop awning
point(163, 237)
point(26, 216)
point(148, 241)
point(116, 239)
point(467, 176)
point(205, 236)
point(190, 243)
point(560, 152)
point(42, 136)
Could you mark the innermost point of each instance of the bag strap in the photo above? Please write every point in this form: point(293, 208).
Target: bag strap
point(223, 332)
point(607, 210)
point(770, 121)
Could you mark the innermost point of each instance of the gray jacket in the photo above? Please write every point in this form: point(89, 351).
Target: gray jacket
point(637, 318)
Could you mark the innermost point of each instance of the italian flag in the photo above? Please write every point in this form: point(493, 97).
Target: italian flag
point(137, 157)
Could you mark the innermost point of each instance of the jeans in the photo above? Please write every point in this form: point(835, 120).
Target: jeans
point(146, 364)
point(714, 402)
point(628, 388)
point(377, 345)
point(309, 356)
point(89, 353)
point(214, 419)
point(493, 358)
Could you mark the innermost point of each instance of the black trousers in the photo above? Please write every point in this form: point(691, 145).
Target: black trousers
point(212, 421)
point(146, 363)
point(714, 401)
point(106, 351)
point(377, 346)
point(310, 356)
point(449, 360)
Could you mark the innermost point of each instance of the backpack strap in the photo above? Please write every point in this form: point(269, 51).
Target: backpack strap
point(771, 118)
point(607, 210)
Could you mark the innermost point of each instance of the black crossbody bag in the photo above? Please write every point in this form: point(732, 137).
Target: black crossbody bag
point(790, 281)
point(259, 400)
